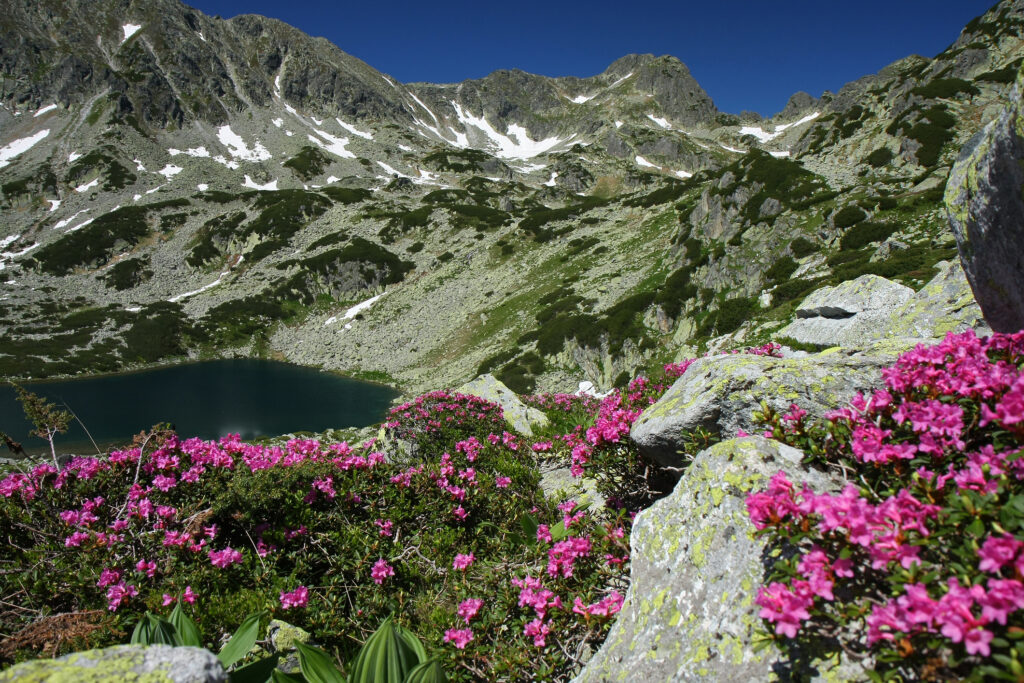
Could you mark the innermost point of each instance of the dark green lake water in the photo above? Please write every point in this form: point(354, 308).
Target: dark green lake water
point(208, 400)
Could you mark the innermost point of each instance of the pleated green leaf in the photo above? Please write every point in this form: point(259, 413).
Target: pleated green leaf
point(388, 655)
point(427, 672)
point(242, 641)
point(316, 665)
point(257, 672)
point(185, 626)
point(154, 630)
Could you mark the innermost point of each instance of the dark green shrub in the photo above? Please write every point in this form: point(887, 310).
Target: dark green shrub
point(446, 257)
point(160, 330)
point(945, 88)
point(128, 273)
point(865, 233)
point(346, 195)
point(781, 269)
point(802, 247)
point(848, 215)
point(880, 157)
point(734, 312)
point(931, 138)
point(95, 243)
point(416, 248)
point(308, 163)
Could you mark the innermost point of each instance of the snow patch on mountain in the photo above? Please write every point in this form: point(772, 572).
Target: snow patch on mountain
point(129, 31)
point(640, 161)
point(334, 145)
point(522, 147)
point(354, 311)
point(252, 184)
point(67, 221)
point(47, 108)
point(220, 278)
point(660, 121)
point(352, 129)
point(88, 186)
point(170, 170)
point(237, 147)
point(21, 146)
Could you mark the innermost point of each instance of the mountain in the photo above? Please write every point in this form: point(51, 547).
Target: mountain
point(175, 185)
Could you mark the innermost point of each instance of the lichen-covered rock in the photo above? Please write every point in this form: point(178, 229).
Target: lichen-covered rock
point(720, 393)
point(843, 315)
point(283, 635)
point(517, 413)
point(946, 304)
point(696, 566)
point(871, 308)
point(985, 202)
point(142, 664)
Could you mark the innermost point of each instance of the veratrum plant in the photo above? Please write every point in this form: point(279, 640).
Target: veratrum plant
point(389, 656)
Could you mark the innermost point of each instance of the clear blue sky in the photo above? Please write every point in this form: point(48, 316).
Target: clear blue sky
point(747, 55)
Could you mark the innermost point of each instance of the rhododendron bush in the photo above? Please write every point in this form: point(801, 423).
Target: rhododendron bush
point(916, 562)
point(331, 537)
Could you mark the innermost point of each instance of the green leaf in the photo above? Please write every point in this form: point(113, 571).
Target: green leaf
point(242, 641)
point(185, 626)
point(388, 655)
point(427, 672)
point(529, 526)
point(559, 532)
point(316, 665)
point(257, 672)
point(281, 677)
point(154, 630)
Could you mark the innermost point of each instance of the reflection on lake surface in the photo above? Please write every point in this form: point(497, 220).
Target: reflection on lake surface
point(209, 399)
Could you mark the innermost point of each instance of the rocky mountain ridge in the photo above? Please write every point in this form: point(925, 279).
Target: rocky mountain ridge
point(548, 230)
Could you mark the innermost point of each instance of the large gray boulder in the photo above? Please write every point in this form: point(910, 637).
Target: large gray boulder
point(843, 315)
point(872, 308)
point(985, 203)
point(946, 304)
point(154, 664)
point(696, 566)
point(517, 413)
point(720, 393)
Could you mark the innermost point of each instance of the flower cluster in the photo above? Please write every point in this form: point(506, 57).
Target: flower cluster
point(920, 557)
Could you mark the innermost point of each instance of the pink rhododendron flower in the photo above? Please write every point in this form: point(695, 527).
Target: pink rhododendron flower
point(468, 608)
point(381, 570)
point(189, 596)
point(384, 526)
point(502, 482)
point(225, 558)
point(458, 637)
point(463, 561)
point(296, 598)
point(118, 593)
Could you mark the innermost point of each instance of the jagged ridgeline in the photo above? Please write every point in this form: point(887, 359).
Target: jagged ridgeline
point(177, 185)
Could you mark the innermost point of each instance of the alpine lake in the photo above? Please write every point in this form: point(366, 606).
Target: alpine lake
point(208, 399)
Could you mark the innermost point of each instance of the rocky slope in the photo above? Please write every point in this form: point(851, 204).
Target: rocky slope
point(546, 230)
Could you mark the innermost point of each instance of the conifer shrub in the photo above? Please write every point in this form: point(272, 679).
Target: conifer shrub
point(95, 243)
point(880, 157)
point(129, 273)
point(309, 163)
point(848, 215)
point(945, 88)
point(346, 195)
point(803, 247)
point(781, 269)
point(865, 233)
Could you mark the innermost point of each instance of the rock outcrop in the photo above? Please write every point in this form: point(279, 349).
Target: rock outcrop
point(519, 415)
point(985, 203)
point(696, 565)
point(154, 663)
point(720, 393)
point(846, 314)
point(872, 308)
